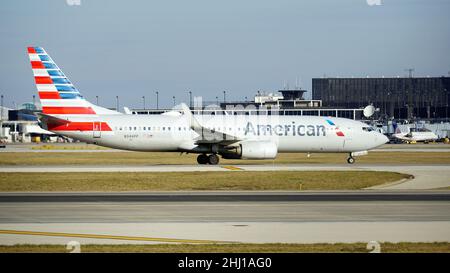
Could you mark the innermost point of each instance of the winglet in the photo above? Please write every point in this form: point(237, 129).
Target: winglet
point(127, 110)
point(195, 125)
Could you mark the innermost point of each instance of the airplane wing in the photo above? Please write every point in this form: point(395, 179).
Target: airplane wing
point(207, 136)
point(214, 137)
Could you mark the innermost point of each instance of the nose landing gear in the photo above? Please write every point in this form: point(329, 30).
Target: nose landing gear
point(211, 159)
point(350, 159)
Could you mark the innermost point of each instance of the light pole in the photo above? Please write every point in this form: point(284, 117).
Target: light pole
point(224, 96)
point(446, 103)
point(1, 111)
point(190, 100)
point(1, 115)
point(388, 104)
point(34, 101)
point(157, 98)
point(96, 99)
point(143, 100)
point(217, 100)
point(173, 100)
point(117, 103)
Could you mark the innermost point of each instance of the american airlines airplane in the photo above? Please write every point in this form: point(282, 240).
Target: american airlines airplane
point(66, 112)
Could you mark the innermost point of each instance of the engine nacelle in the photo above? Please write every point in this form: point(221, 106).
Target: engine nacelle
point(259, 150)
point(252, 149)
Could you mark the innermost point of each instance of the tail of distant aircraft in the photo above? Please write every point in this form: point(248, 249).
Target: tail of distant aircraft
point(58, 96)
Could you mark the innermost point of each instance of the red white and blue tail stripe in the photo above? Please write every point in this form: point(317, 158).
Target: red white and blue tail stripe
point(58, 96)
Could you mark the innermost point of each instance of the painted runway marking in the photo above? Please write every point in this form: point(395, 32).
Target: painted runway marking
point(110, 237)
point(232, 168)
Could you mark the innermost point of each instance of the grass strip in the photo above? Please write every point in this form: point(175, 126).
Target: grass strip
point(196, 181)
point(436, 247)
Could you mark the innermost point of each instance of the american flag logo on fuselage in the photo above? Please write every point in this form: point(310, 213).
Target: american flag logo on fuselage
point(338, 131)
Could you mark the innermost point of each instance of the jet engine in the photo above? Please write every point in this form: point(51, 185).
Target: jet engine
point(251, 150)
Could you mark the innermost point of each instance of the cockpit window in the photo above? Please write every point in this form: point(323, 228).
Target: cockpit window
point(368, 129)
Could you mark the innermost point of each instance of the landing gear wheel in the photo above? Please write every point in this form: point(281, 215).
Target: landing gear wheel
point(202, 159)
point(350, 160)
point(213, 159)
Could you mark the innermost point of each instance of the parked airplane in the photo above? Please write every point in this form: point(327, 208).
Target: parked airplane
point(66, 112)
point(415, 135)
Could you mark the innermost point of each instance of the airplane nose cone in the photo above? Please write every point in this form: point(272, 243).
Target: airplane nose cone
point(381, 139)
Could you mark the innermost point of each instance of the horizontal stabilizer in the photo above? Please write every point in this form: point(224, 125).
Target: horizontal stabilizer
point(54, 121)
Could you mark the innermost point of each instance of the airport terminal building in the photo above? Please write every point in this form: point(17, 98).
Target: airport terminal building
point(399, 97)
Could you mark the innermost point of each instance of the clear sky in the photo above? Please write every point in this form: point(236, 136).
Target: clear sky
point(134, 48)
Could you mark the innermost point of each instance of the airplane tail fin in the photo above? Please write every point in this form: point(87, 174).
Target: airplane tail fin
point(57, 94)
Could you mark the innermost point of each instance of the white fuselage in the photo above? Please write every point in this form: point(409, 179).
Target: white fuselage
point(289, 133)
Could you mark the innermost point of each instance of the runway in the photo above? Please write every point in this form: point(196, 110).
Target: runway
point(310, 217)
point(224, 196)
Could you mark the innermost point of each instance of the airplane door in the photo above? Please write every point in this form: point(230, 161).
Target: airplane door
point(97, 129)
point(348, 141)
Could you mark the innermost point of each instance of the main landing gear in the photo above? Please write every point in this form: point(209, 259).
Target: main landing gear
point(211, 159)
point(350, 159)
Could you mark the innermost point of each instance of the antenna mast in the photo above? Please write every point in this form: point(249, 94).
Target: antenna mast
point(410, 71)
